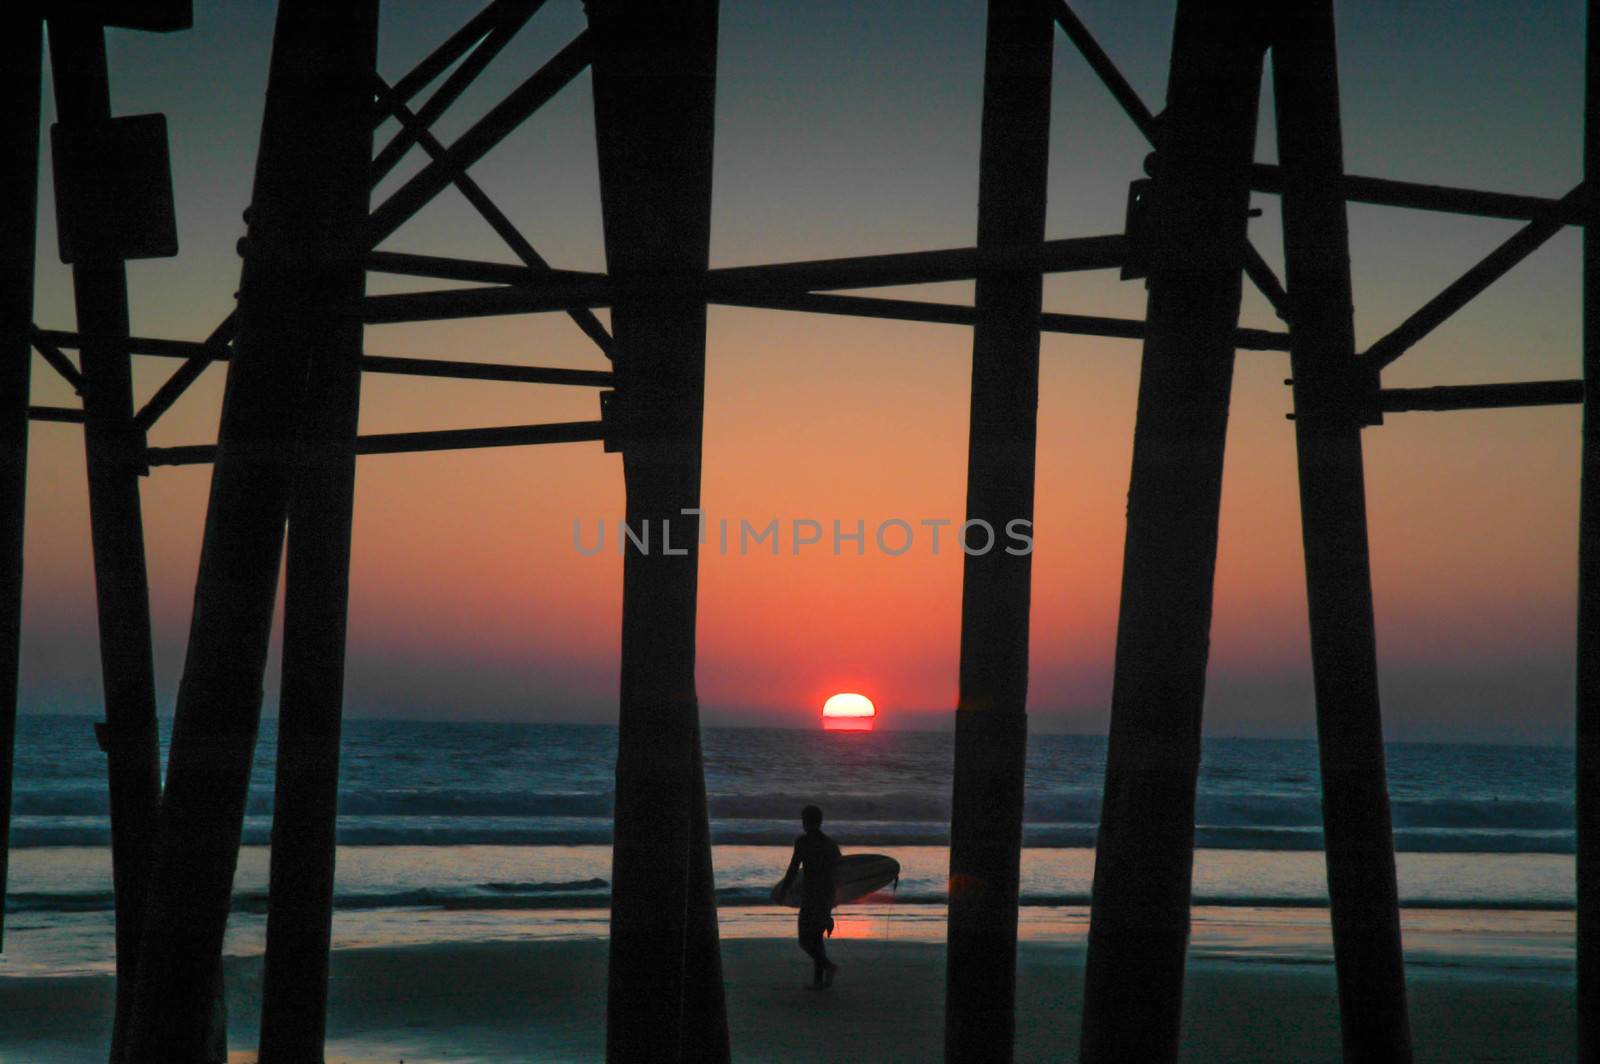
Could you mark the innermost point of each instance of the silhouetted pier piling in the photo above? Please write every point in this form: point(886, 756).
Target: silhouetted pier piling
point(991, 717)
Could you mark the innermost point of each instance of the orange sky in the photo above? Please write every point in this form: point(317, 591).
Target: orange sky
point(469, 600)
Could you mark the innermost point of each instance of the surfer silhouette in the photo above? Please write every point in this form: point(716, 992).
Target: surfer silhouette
point(817, 855)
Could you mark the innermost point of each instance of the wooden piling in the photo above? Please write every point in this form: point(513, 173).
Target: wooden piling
point(316, 602)
point(1139, 926)
point(1331, 390)
point(654, 97)
point(113, 449)
point(21, 46)
point(294, 295)
point(991, 716)
point(1588, 686)
point(705, 1036)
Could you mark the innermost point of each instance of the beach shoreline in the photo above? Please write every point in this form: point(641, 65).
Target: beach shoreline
point(544, 1000)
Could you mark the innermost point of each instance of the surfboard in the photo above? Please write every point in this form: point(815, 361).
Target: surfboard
point(854, 877)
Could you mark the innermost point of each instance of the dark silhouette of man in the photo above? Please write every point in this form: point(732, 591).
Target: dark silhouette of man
point(817, 855)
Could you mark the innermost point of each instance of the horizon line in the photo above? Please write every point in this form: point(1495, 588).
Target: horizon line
point(947, 729)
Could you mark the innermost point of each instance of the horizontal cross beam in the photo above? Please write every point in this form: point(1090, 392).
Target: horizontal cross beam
point(1481, 396)
point(413, 442)
point(769, 287)
point(411, 367)
point(66, 414)
point(517, 291)
point(956, 314)
point(1383, 192)
point(136, 345)
point(485, 371)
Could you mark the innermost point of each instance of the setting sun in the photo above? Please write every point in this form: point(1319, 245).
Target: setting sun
point(848, 712)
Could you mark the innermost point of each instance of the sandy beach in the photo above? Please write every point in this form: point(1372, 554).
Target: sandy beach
point(545, 1001)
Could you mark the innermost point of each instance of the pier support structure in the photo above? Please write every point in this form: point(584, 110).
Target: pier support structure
point(1332, 395)
point(1588, 680)
point(654, 99)
point(311, 696)
point(297, 303)
point(113, 447)
point(991, 717)
point(21, 52)
point(1139, 927)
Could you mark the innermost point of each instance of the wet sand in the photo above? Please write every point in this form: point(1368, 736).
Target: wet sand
point(545, 1001)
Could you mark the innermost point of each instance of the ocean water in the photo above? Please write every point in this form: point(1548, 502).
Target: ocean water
point(452, 830)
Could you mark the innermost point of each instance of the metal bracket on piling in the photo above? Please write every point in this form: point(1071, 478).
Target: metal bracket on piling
point(1361, 398)
point(613, 406)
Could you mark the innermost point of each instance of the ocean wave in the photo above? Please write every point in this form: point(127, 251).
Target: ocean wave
point(1063, 814)
point(474, 803)
point(85, 901)
point(579, 894)
point(1476, 814)
point(1071, 807)
point(92, 801)
point(443, 831)
point(595, 894)
point(1040, 836)
point(545, 888)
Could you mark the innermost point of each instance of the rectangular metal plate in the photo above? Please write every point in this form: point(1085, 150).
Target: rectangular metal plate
point(114, 190)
